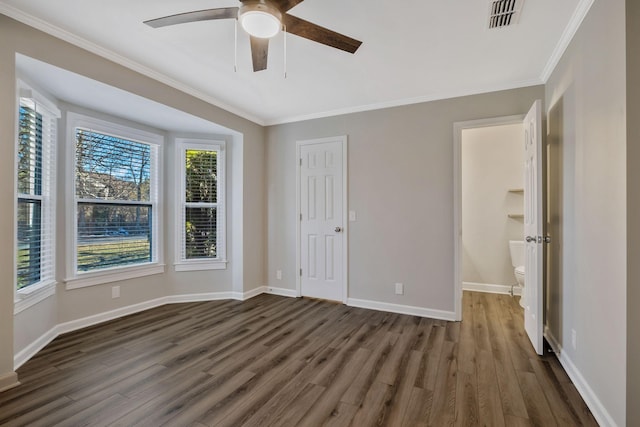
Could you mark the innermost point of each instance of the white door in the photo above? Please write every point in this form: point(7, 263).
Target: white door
point(533, 264)
point(321, 219)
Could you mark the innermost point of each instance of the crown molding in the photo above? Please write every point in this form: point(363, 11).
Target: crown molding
point(572, 27)
point(94, 48)
point(406, 101)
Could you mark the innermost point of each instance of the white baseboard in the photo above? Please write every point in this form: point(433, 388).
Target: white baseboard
point(402, 309)
point(74, 325)
point(600, 413)
point(491, 288)
point(253, 293)
point(8, 380)
point(28, 352)
point(208, 296)
point(283, 292)
point(33, 348)
point(553, 342)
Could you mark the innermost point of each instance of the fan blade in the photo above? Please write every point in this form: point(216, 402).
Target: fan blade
point(198, 15)
point(259, 53)
point(319, 34)
point(285, 5)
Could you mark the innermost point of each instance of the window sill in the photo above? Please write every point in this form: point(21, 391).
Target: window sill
point(32, 295)
point(84, 280)
point(200, 265)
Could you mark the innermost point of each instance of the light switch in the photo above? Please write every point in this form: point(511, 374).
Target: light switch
point(352, 215)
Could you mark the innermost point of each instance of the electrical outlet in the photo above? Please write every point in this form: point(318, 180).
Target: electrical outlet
point(399, 289)
point(574, 339)
point(115, 292)
point(279, 274)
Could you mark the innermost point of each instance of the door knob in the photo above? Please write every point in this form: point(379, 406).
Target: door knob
point(338, 229)
point(530, 239)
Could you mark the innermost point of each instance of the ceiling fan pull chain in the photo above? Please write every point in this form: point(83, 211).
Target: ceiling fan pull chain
point(235, 46)
point(284, 27)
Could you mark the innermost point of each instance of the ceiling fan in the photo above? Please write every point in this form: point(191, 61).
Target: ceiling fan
point(263, 19)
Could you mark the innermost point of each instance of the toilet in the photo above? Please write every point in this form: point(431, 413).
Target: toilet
point(516, 249)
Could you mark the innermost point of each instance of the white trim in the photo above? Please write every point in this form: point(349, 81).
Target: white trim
point(491, 288)
point(283, 292)
point(599, 411)
point(251, 293)
point(343, 140)
point(80, 42)
point(8, 381)
point(76, 279)
point(402, 309)
point(32, 349)
point(162, 78)
point(458, 127)
point(213, 143)
point(117, 274)
point(208, 296)
point(567, 35)
point(33, 296)
point(85, 322)
point(200, 265)
point(551, 339)
point(405, 101)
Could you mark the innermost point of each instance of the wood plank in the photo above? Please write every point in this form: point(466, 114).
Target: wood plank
point(419, 408)
point(443, 406)
point(341, 416)
point(489, 401)
point(280, 361)
point(537, 406)
point(467, 401)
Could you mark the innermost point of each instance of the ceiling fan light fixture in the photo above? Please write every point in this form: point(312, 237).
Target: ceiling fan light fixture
point(260, 19)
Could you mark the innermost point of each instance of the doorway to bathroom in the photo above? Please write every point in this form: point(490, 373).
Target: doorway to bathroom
point(492, 184)
point(480, 179)
point(488, 203)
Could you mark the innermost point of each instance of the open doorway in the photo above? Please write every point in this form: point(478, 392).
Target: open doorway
point(488, 206)
point(493, 209)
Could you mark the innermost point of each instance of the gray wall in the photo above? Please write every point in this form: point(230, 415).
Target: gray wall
point(633, 211)
point(400, 185)
point(247, 221)
point(586, 94)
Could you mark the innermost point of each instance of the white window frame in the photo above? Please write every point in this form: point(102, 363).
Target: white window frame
point(220, 262)
point(78, 279)
point(28, 96)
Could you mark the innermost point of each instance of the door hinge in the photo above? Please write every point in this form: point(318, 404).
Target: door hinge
point(300, 272)
point(301, 161)
point(300, 217)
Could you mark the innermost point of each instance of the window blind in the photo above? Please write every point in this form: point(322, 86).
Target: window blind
point(36, 192)
point(201, 207)
point(115, 196)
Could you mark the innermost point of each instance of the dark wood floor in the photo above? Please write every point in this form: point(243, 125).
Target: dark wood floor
point(296, 362)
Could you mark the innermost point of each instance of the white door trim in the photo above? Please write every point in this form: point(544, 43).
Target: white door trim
point(345, 240)
point(458, 127)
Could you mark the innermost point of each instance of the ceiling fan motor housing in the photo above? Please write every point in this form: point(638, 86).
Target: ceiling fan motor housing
point(251, 8)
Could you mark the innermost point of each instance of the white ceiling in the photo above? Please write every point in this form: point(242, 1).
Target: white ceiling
point(413, 50)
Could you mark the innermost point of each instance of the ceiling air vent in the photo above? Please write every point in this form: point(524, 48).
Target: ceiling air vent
point(503, 13)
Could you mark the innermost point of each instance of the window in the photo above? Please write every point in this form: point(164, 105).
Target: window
point(201, 207)
point(115, 189)
point(35, 162)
